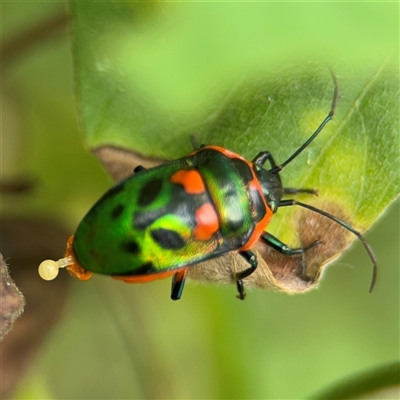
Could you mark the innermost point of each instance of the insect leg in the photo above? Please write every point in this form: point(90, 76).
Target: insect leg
point(178, 282)
point(262, 157)
point(275, 243)
point(139, 168)
point(197, 145)
point(251, 258)
point(286, 203)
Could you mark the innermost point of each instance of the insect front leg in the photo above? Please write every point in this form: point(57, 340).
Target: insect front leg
point(178, 282)
point(251, 258)
point(275, 243)
point(262, 157)
point(196, 144)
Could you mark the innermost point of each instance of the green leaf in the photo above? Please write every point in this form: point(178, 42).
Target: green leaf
point(381, 382)
point(150, 74)
point(119, 91)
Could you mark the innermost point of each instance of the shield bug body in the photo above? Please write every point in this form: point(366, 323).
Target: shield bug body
point(161, 221)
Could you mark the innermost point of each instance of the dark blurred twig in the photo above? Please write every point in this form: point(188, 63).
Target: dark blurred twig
point(20, 43)
point(12, 301)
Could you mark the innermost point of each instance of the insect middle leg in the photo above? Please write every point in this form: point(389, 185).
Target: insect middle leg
point(283, 248)
point(251, 258)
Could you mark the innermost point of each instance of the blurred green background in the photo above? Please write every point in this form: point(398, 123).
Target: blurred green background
point(121, 341)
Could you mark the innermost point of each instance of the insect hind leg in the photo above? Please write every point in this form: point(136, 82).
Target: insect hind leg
point(178, 283)
point(251, 258)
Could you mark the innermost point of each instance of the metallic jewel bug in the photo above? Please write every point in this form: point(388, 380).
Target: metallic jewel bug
point(161, 221)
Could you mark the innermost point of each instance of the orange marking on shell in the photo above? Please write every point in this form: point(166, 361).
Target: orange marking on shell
point(147, 278)
point(227, 153)
point(207, 222)
point(76, 269)
point(191, 180)
point(254, 184)
point(258, 230)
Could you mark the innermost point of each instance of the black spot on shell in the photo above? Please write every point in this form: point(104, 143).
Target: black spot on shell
point(258, 207)
point(141, 220)
point(114, 191)
point(243, 169)
point(117, 211)
point(168, 239)
point(131, 247)
point(149, 192)
point(145, 269)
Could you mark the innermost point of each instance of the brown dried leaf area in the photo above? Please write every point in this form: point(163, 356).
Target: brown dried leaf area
point(290, 274)
point(120, 163)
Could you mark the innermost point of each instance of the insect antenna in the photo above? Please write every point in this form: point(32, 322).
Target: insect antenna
point(285, 203)
point(277, 168)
